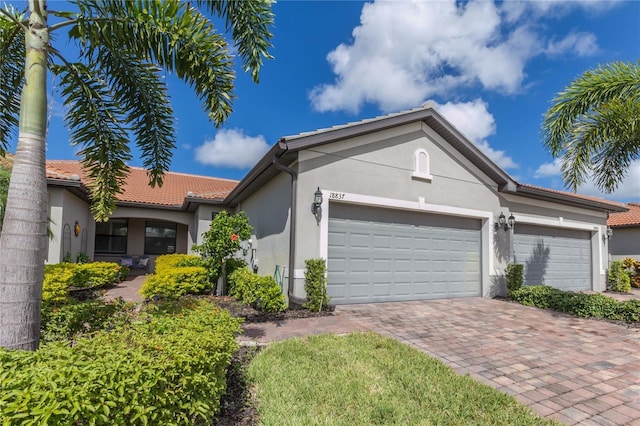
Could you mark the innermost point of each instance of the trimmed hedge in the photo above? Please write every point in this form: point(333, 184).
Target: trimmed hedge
point(171, 261)
point(176, 282)
point(619, 280)
point(261, 292)
point(59, 277)
point(166, 369)
point(579, 304)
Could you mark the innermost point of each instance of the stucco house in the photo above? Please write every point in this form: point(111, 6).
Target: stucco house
point(402, 206)
point(625, 239)
point(411, 209)
point(147, 221)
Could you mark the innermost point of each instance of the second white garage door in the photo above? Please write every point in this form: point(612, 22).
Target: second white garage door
point(378, 255)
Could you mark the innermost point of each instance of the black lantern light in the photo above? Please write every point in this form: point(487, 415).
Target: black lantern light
point(317, 201)
point(505, 223)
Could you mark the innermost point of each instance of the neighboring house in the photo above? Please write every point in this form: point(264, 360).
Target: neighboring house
point(625, 240)
point(147, 221)
point(409, 209)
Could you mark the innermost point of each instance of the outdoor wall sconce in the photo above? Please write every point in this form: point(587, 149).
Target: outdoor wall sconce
point(608, 234)
point(76, 229)
point(317, 201)
point(505, 223)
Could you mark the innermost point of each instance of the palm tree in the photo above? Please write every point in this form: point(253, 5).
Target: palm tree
point(594, 125)
point(113, 89)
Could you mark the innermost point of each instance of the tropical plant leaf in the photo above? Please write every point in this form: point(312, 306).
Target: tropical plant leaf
point(594, 125)
point(12, 52)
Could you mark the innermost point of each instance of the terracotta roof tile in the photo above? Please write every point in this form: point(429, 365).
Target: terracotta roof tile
point(175, 188)
point(629, 218)
point(573, 194)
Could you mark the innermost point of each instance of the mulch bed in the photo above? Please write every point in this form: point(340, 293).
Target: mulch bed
point(252, 315)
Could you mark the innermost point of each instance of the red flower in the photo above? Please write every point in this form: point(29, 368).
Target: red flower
point(234, 237)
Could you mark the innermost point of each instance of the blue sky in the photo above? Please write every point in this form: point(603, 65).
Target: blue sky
point(492, 68)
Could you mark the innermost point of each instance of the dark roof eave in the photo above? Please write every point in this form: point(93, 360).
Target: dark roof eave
point(263, 164)
point(626, 225)
point(190, 204)
point(543, 195)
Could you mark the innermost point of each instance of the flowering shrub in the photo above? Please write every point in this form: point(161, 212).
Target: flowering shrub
point(632, 267)
point(223, 241)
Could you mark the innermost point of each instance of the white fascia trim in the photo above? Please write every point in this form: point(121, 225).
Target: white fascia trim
point(555, 223)
point(418, 206)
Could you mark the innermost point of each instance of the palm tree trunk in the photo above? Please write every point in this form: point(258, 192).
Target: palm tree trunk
point(23, 241)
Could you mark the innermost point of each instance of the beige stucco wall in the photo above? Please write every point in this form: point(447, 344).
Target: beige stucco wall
point(65, 209)
point(268, 210)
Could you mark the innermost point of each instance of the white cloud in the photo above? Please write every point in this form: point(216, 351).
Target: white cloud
point(549, 169)
point(231, 148)
point(627, 191)
point(405, 52)
point(583, 44)
point(474, 120)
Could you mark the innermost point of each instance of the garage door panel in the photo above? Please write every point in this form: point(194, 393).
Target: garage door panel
point(411, 255)
point(557, 257)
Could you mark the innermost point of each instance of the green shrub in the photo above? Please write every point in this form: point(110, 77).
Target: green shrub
point(73, 319)
point(57, 280)
point(60, 276)
point(578, 304)
point(96, 274)
point(534, 295)
point(261, 292)
point(82, 258)
point(176, 282)
point(315, 284)
point(167, 369)
point(514, 274)
point(619, 279)
point(170, 261)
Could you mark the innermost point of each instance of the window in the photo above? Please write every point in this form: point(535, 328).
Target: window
point(422, 166)
point(160, 237)
point(111, 236)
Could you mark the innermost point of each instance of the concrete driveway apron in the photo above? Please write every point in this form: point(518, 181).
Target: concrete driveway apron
point(577, 371)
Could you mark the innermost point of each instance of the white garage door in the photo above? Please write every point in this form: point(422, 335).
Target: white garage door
point(559, 258)
point(378, 255)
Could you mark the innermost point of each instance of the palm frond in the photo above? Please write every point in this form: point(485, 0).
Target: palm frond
point(142, 94)
point(618, 80)
point(594, 125)
point(249, 22)
point(12, 52)
point(170, 33)
point(94, 118)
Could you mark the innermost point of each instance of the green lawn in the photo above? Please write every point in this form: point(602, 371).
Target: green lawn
point(364, 379)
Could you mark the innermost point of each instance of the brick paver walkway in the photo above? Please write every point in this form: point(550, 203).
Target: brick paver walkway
point(574, 370)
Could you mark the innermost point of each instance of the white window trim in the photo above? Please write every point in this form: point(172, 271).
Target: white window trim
point(417, 173)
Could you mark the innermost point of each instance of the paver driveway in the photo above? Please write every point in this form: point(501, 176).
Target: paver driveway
point(577, 371)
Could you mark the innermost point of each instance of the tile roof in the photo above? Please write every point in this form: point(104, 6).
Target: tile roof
point(629, 218)
point(175, 188)
point(574, 195)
